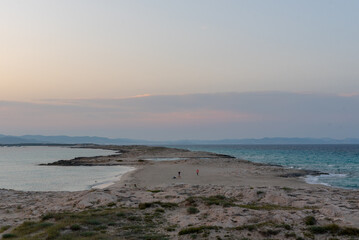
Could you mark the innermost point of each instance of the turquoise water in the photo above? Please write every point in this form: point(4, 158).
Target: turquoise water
point(20, 169)
point(340, 161)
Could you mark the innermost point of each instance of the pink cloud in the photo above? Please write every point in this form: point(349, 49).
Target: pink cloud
point(140, 96)
point(196, 117)
point(353, 94)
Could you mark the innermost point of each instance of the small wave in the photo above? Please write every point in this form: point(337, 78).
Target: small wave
point(319, 179)
point(334, 175)
point(310, 179)
point(101, 185)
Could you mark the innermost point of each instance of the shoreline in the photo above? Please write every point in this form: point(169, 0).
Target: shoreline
point(301, 174)
point(119, 179)
point(22, 169)
point(81, 161)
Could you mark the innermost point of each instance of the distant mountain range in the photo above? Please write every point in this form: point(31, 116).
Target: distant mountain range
point(40, 139)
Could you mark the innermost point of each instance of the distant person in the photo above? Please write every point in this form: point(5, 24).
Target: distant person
point(179, 174)
point(197, 171)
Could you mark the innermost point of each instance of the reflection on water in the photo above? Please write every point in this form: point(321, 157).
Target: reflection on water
point(20, 169)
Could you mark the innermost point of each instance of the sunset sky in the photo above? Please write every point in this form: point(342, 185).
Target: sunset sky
point(85, 67)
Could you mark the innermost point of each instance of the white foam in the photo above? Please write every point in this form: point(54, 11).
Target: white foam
point(110, 181)
point(102, 186)
point(335, 175)
point(310, 179)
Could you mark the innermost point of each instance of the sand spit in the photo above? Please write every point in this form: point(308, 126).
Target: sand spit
point(229, 198)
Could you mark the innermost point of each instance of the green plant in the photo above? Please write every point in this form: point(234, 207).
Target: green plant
point(145, 205)
point(101, 223)
point(31, 227)
point(93, 221)
point(334, 229)
point(171, 228)
point(192, 210)
point(218, 200)
point(247, 227)
point(75, 227)
point(199, 229)
point(9, 235)
point(152, 204)
point(290, 235)
point(121, 214)
point(285, 226)
point(4, 228)
point(310, 220)
point(155, 191)
point(267, 207)
point(88, 234)
point(159, 210)
point(269, 232)
point(191, 201)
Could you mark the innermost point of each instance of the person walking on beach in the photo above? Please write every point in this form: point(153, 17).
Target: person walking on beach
point(197, 171)
point(179, 174)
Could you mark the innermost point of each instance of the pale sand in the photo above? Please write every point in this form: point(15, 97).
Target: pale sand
point(227, 172)
point(247, 182)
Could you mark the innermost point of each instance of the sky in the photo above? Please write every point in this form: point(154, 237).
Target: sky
point(57, 56)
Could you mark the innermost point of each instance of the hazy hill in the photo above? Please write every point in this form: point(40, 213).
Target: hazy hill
point(82, 139)
point(16, 140)
point(40, 139)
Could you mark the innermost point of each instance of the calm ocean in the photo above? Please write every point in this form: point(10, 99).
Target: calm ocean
point(340, 161)
point(20, 169)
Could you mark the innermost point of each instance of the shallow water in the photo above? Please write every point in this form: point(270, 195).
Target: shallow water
point(20, 169)
point(340, 161)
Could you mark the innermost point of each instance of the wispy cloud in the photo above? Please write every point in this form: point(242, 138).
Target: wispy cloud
point(198, 117)
point(353, 94)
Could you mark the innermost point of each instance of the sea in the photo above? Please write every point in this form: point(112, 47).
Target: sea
point(339, 162)
point(20, 170)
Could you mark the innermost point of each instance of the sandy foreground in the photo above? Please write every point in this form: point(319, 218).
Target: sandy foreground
point(256, 194)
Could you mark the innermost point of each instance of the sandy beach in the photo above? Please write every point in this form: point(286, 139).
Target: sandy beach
point(226, 197)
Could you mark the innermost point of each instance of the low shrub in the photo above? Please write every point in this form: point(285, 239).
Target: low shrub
point(152, 204)
point(219, 200)
point(4, 228)
point(269, 232)
point(75, 227)
point(199, 229)
point(8, 235)
point(334, 229)
point(310, 220)
point(267, 207)
point(192, 210)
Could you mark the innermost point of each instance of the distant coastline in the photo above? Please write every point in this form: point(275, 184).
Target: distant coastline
point(9, 140)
